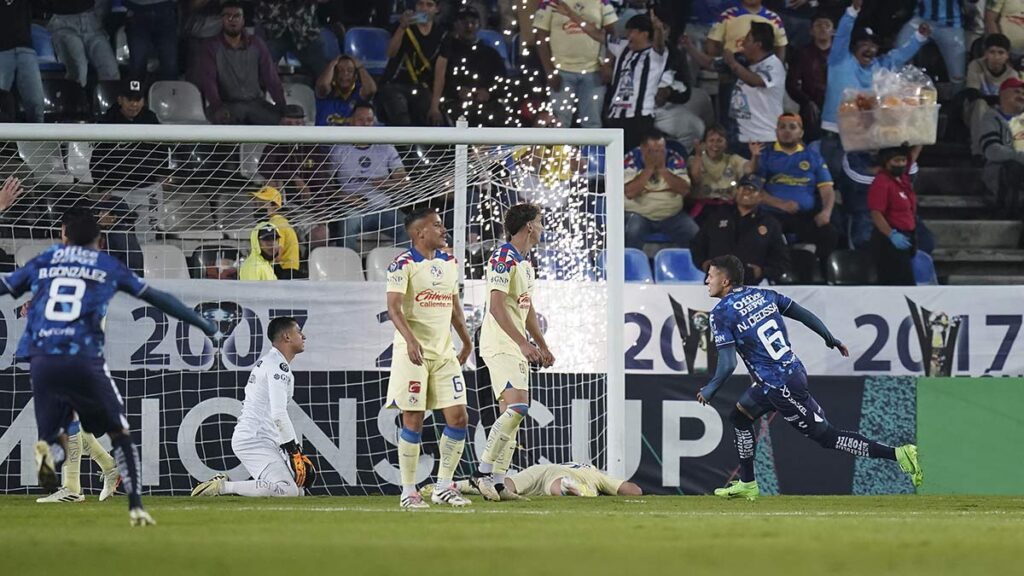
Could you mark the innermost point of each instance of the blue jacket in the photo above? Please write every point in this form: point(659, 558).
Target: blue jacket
point(844, 71)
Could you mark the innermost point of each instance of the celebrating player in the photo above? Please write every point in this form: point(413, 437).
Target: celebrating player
point(423, 303)
point(750, 320)
point(264, 439)
point(572, 479)
point(72, 284)
point(505, 348)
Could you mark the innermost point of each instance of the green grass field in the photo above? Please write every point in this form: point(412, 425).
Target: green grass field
point(621, 536)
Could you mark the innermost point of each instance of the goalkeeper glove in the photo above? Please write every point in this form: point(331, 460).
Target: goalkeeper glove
point(302, 466)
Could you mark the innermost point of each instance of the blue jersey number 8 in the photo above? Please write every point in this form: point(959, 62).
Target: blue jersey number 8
point(775, 341)
point(60, 296)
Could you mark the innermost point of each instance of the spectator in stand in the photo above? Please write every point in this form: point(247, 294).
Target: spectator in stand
point(287, 265)
point(745, 231)
point(263, 251)
point(1006, 17)
point(342, 84)
point(799, 187)
point(1002, 131)
point(797, 17)
point(671, 115)
point(853, 68)
point(131, 106)
point(714, 172)
point(808, 76)
point(367, 176)
point(639, 63)
point(569, 44)
point(234, 70)
point(946, 20)
point(656, 185)
point(466, 76)
point(80, 40)
point(119, 239)
point(407, 84)
point(152, 29)
point(893, 206)
point(292, 26)
point(128, 165)
point(19, 66)
point(984, 77)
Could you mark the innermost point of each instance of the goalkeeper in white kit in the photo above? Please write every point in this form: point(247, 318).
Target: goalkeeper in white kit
point(264, 439)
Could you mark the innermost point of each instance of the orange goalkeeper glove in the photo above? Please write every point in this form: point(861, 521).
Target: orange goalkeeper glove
point(302, 466)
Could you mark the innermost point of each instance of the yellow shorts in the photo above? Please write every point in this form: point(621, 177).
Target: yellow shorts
point(507, 371)
point(434, 385)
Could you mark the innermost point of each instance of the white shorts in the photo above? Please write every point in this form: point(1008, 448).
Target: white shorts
point(508, 371)
point(263, 459)
point(435, 385)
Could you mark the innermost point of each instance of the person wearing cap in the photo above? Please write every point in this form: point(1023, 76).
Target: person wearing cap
point(640, 61)
point(131, 106)
point(125, 166)
point(893, 206)
point(854, 69)
point(1002, 135)
point(984, 77)
point(745, 231)
point(270, 201)
point(467, 76)
point(799, 187)
point(264, 249)
point(656, 185)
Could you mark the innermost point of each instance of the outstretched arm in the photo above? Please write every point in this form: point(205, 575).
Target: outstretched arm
point(174, 307)
point(726, 366)
point(807, 318)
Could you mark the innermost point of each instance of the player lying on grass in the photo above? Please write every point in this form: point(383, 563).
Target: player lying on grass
point(570, 479)
point(264, 439)
point(80, 443)
point(72, 285)
point(749, 320)
point(426, 374)
point(504, 346)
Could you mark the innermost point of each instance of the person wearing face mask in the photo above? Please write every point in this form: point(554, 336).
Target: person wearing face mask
point(893, 207)
point(467, 75)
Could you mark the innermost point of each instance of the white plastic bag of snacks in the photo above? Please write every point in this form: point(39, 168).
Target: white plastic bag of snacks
point(900, 108)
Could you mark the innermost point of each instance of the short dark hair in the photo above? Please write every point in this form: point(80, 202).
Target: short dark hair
point(279, 326)
point(763, 34)
point(997, 40)
point(364, 104)
point(886, 154)
point(652, 135)
point(80, 226)
point(640, 23)
point(731, 266)
point(231, 4)
point(518, 216)
point(418, 214)
point(716, 129)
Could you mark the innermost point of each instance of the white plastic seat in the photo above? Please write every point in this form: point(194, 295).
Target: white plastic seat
point(249, 155)
point(379, 260)
point(79, 157)
point(303, 96)
point(164, 261)
point(29, 249)
point(177, 102)
point(46, 161)
point(335, 264)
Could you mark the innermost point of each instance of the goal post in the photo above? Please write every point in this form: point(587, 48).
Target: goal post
point(473, 165)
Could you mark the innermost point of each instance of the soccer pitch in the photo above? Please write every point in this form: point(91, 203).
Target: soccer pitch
point(620, 536)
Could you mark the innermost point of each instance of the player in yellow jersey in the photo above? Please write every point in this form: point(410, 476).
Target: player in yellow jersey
point(570, 479)
point(505, 347)
point(426, 374)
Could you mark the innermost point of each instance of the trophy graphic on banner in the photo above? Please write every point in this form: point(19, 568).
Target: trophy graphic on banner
point(937, 332)
point(695, 331)
point(226, 316)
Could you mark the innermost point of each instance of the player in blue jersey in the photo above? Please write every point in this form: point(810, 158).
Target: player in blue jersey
point(748, 320)
point(72, 284)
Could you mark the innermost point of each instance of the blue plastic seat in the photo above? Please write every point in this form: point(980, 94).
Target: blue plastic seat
point(638, 267)
point(42, 43)
point(675, 266)
point(497, 40)
point(370, 46)
point(924, 269)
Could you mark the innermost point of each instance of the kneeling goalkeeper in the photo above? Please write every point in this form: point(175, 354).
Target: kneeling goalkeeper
point(264, 439)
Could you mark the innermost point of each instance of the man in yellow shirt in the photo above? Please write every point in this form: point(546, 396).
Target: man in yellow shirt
point(426, 374)
point(263, 249)
point(504, 346)
point(572, 479)
point(656, 184)
point(288, 258)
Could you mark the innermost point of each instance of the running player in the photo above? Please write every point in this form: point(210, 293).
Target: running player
point(749, 320)
point(72, 284)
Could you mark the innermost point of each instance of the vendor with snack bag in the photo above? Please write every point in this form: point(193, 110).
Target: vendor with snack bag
point(893, 206)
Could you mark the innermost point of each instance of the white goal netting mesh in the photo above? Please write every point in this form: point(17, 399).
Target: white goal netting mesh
point(182, 215)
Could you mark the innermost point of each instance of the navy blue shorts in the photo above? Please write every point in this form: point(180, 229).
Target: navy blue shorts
point(793, 402)
point(65, 385)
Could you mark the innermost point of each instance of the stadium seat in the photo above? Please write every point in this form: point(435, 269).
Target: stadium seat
point(164, 261)
point(370, 46)
point(46, 161)
point(29, 249)
point(79, 158)
point(43, 45)
point(804, 269)
point(924, 269)
point(303, 96)
point(675, 266)
point(177, 102)
point(249, 155)
point(335, 264)
point(121, 51)
point(104, 96)
point(378, 261)
point(215, 262)
point(851, 268)
point(64, 101)
point(497, 40)
point(638, 266)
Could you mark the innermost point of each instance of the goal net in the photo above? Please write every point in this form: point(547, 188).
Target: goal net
point(194, 199)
